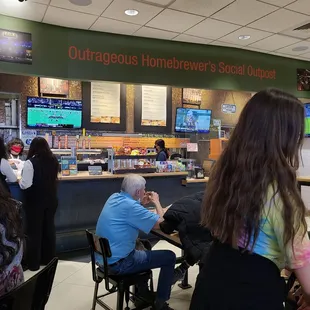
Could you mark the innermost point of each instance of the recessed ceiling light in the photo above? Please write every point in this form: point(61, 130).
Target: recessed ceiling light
point(300, 48)
point(81, 2)
point(244, 37)
point(131, 12)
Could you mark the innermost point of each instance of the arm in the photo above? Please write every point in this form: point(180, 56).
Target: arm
point(8, 171)
point(27, 175)
point(159, 210)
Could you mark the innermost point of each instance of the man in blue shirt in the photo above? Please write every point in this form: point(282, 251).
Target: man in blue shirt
point(120, 221)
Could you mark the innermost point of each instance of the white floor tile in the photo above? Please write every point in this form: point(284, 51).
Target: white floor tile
point(66, 268)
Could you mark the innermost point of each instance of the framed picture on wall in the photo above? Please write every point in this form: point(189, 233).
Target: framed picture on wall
point(48, 86)
point(104, 106)
point(192, 96)
point(303, 79)
point(153, 109)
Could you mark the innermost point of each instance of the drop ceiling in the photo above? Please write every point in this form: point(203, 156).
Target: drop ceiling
point(270, 24)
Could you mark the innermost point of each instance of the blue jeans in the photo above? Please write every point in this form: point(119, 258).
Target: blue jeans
point(138, 261)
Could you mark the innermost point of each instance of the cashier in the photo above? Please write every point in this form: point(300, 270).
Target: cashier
point(162, 153)
point(16, 148)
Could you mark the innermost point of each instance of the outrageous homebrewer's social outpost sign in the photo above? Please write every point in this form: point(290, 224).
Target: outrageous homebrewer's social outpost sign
point(89, 55)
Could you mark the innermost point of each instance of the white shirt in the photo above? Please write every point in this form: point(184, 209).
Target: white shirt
point(7, 171)
point(27, 175)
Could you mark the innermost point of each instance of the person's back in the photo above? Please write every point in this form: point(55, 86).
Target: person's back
point(254, 210)
point(11, 244)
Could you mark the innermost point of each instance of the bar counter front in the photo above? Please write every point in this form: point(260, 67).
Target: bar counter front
point(81, 198)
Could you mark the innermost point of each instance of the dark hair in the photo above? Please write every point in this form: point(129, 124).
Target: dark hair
point(161, 144)
point(262, 152)
point(11, 220)
point(14, 142)
point(3, 151)
point(40, 149)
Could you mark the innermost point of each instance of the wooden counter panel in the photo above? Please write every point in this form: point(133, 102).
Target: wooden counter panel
point(84, 175)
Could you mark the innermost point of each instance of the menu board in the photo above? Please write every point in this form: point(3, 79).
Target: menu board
point(105, 103)
point(192, 96)
point(154, 106)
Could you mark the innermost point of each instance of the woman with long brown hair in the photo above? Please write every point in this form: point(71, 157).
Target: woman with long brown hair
point(39, 182)
point(254, 210)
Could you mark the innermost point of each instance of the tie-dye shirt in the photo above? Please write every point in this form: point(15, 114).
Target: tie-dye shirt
point(270, 243)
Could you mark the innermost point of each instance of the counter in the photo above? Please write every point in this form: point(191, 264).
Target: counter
point(81, 198)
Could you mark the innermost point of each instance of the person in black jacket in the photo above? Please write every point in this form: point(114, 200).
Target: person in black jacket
point(184, 217)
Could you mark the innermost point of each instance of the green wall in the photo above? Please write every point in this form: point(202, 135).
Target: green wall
point(201, 65)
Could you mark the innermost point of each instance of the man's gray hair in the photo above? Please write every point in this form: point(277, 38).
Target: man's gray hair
point(133, 183)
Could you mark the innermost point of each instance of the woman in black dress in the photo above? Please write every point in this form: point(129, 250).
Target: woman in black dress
point(39, 182)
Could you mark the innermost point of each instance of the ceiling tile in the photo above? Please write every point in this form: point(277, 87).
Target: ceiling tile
point(191, 39)
point(225, 44)
point(40, 1)
point(66, 18)
point(96, 8)
point(25, 10)
point(114, 26)
point(118, 7)
point(155, 33)
point(274, 42)
point(301, 6)
point(280, 3)
point(289, 49)
point(200, 7)
point(255, 36)
point(306, 55)
point(212, 29)
point(279, 21)
point(243, 12)
point(157, 2)
point(174, 21)
point(300, 33)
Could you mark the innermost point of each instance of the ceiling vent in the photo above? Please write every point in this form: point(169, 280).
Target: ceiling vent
point(304, 28)
point(159, 3)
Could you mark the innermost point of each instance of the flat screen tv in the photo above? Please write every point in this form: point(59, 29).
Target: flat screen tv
point(307, 119)
point(193, 120)
point(53, 113)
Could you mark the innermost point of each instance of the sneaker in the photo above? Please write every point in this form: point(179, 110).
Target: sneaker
point(166, 307)
point(147, 300)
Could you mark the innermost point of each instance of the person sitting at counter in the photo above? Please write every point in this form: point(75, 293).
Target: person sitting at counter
point(122, 217)
point(39, 182)
point(162, 153)
point(16, 148)
point(6, 172)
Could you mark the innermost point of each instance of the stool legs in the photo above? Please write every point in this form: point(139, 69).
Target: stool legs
point(95, 296)
point(120, 297)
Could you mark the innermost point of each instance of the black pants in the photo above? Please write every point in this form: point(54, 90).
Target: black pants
point(40, 235)
point(234, 280)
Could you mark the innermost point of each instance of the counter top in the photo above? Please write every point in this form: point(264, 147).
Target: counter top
point(303, 179)
point(84, 175)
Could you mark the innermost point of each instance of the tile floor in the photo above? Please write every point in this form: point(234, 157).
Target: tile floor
point(73, 286)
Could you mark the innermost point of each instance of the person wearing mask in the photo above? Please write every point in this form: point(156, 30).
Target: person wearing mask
point(39, 182)
point(254, 210)
point(16, 148)
point(11, 243)
point(162, 153)
point(6, 172)
point(121, 218)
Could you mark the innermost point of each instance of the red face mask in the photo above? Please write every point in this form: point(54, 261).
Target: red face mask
point(16, 149)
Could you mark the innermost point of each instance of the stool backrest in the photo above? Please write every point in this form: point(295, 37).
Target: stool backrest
point(34, 293)
point(99, 246)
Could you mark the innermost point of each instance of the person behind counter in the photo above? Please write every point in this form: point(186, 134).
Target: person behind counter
point(16, 148)
point(11, 243)
point(7, 174)
point(255, 212)
point(162, 153)
point(39, 182)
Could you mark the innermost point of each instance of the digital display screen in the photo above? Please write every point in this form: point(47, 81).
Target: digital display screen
point(53, 113)
point(15, 47)
point(193, 120)
point(307, 119)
